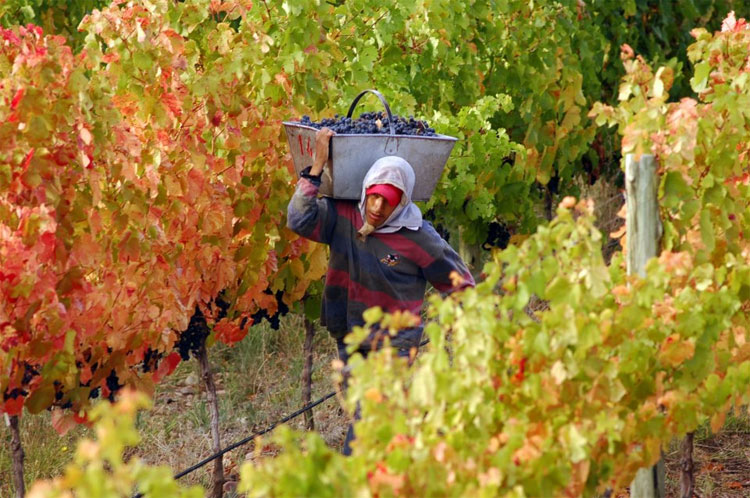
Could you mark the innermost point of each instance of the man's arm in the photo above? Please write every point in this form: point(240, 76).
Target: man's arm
point(307, 215)
point(447, 272)
point(322, 141)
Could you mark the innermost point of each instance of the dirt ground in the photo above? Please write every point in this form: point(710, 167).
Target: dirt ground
point(722, 464)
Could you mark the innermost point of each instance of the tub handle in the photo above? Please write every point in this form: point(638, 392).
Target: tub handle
point(382, 100)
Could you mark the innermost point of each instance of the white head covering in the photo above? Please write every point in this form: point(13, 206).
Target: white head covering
point(396, 171)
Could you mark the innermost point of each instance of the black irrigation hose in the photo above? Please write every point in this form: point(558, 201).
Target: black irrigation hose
point(268, 429)
point(248, 439)
point(264, 431)
point(254, 435)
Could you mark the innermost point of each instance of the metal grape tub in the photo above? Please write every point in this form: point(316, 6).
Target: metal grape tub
point(352, 155)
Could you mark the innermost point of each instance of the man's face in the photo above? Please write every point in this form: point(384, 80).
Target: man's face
point(377, 209)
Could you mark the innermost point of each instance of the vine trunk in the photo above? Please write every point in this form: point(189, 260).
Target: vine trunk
point(687, 475)
point(307, 373)
point(18, 456)
point(213, 406)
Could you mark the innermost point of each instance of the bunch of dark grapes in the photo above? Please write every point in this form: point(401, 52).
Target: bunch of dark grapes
point(370, 123)
point(151, 360)
point(150, 363)
point(113, 384)
point(223, 306)
point(498, 235)
point(29, 372)
point(14, 393)
point(59, 393)
point(273, 320)
point(431, 216)
point(192, 338)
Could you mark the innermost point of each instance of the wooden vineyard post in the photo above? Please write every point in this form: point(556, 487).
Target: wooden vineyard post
point(644, 228)
point(307, 373)
point(644, 231)
point(17, 455)
point(213, 406)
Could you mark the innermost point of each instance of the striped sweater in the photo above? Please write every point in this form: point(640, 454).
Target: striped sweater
point(390, 270)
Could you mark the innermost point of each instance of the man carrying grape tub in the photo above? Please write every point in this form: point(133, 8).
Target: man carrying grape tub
point(382, 252)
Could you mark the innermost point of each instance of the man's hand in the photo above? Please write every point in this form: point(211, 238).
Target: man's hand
point(322, 139)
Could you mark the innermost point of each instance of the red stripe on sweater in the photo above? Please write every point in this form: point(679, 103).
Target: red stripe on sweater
point(360, 293)
point(407, 248)
point(350, 211)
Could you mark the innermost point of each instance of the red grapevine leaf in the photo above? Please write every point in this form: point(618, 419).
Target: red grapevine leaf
point(172, 103)
point(62, 422)
point(16, 99)
point(14, 406)
point(229, 332)
point(166, 366)
point(27, 160)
